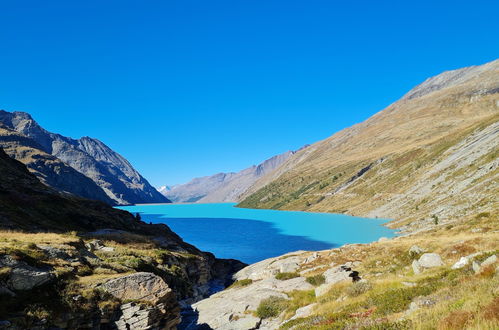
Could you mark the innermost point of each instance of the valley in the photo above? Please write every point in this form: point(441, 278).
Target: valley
point(427, 164)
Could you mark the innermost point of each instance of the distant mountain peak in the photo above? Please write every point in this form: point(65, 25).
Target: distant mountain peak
point(223, 187)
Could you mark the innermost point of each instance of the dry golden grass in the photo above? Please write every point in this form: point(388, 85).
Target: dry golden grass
point(8, 238)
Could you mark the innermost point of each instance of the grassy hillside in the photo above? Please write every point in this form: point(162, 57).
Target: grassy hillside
point(430, 157)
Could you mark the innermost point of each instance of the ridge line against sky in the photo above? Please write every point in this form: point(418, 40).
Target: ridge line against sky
point(186, 89)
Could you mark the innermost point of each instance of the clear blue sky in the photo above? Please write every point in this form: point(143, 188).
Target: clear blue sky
point(189, 88)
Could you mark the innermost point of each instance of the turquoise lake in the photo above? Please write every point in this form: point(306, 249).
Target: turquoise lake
point(253, 235)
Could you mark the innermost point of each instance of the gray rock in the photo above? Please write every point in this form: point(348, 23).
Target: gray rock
point(289, 267)
point(430, 260)
point(409, 284)
point(138, 286)
point(416, 267)
point(476, 267)
point(53, 252)
point(23, 276)
point(140, 316)
point(464, 261)
point(332, 277)
point(461, 263)
point(415, 250)
point(303, 312)
point(489, 261)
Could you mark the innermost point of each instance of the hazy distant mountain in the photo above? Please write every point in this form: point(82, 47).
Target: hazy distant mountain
point(109, 170)
point(222, 187)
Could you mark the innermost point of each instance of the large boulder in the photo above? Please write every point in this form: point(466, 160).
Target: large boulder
point(24, 277)
point(430, 260)
point(140, 316)
point(154, 304)
point(336, 275)
point(139, 286)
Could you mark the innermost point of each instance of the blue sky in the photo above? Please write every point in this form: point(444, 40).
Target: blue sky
point(189, 88)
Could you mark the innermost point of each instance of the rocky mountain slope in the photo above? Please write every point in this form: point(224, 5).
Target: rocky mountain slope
point(109, 170)
point(223, 187)
point(49, 169)
point(429, 157)
point(80, 263)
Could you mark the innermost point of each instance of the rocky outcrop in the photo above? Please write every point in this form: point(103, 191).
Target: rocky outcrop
point(90, 157)
point(154, 306)
point(23, 277)
point(234, 307)
point(222, 187)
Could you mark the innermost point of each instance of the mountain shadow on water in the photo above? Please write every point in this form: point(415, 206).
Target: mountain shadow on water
point(247, 240)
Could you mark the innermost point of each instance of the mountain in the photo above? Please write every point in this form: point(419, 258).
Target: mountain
point(55, 247)
point(430, 156)
point(222, 187)
point(49, 169)
point(90, 157)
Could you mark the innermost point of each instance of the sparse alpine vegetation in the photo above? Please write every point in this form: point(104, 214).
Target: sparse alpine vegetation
point(425, 160)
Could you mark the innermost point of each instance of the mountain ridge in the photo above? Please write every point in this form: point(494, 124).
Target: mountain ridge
point(223, 187)
point(91, 157)
point(441, 113)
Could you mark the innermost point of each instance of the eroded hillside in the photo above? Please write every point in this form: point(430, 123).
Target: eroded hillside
point(430, 157)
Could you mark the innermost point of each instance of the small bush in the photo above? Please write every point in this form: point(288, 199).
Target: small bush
point(491, 311)
point(84, 270)
point(286, 276)
point(316, 280)
point(482, 215)
point(241, 283)
point(271, 307)
point(358, 288)
point(456, 320)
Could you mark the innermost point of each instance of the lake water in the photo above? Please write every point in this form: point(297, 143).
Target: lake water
point(253, 235)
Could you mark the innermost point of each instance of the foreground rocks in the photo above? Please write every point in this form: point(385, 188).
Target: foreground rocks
point(427, 260)
point(156, 306)
point(234, 308)
point(23, 277)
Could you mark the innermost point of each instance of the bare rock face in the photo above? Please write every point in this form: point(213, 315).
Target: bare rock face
point(154, 306)
point(139, 286)
point(90, 157)
point(23, 277)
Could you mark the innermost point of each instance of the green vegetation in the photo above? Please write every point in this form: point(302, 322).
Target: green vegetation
point(286, 276)
point(271, 307)
point(316, 280)
point(241, 283)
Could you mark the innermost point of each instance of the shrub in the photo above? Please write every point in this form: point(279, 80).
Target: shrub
point(241, 283)
point(316, 280)
point(286, 276)
point(491, 311)
point(482, 215)
point(271, 307)
point(397, 300)
point(456, 320)
point(358, 288)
